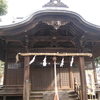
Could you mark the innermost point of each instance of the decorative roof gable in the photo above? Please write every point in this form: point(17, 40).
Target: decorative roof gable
point(55, 3)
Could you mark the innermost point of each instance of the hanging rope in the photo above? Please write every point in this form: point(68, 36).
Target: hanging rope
point(52, 54)
point(56, 97)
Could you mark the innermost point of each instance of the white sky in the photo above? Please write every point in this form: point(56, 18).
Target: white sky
point(88, 9)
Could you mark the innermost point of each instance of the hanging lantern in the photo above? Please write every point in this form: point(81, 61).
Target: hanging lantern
point(44, 61)
point(62, 62)
point(32, 60)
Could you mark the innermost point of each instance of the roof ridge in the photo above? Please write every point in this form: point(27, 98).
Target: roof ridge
point(55, 3)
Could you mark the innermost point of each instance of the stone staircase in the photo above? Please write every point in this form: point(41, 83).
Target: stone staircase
point(38, 95)
point(73, 95)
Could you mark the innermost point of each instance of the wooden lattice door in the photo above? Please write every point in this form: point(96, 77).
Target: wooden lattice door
point(42, 78)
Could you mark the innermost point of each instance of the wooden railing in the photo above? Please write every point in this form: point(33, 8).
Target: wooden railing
point(11, 87)
point(97, 87)
point(77, 89)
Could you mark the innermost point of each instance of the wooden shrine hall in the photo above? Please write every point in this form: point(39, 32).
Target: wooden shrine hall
point(54, 48)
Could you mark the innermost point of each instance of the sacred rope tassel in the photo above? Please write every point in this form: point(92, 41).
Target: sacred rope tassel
point(17, 57)
point(62, 63)
point(44, 61)
point(32, 60)
point(72, 60)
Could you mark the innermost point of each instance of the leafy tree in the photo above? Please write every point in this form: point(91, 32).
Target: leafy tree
point(3, 7)
point(97, 61)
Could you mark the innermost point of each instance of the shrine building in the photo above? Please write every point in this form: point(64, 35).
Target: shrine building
point(47, 54)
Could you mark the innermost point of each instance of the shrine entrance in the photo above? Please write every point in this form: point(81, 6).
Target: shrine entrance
point(41, 80)
point(42, 77)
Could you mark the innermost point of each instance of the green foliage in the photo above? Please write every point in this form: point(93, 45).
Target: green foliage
point(97, 61)
point(3, 7)
point(0, 20)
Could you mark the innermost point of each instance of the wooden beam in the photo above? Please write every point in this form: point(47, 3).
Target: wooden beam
point(51, 38)
point(53, 50)
point(83, 78)
point(40, 38)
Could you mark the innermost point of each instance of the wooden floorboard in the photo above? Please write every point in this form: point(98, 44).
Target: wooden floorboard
point(2, 92)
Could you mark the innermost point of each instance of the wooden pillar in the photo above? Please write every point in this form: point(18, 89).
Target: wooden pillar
point(5, 67)
point(98, 95)
point(94, 69)
point(83, 78)
point(4, 97)
point(5, 74)
point(71, 78)
point(26, 78)
point(26, 86)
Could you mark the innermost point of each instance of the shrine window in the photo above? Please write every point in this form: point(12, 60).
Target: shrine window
point(88, 65)
point(40, 65)
point(75, 65)
point(50, 65)
point(15, 65)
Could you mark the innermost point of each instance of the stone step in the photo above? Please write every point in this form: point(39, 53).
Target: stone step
point(38, 95)
point(36, 98)
point(73, 99)
point(72, 95)
point(71, 92)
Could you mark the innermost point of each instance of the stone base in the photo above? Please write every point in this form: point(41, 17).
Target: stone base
point(50, 96)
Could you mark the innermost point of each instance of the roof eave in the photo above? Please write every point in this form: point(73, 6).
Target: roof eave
point(51, 11)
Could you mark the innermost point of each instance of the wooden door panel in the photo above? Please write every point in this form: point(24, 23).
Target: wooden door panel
point(43, 78)
point(46, 78)
point(64, 73)
point(76, 74)
point(36, 78)
point(14, 76)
